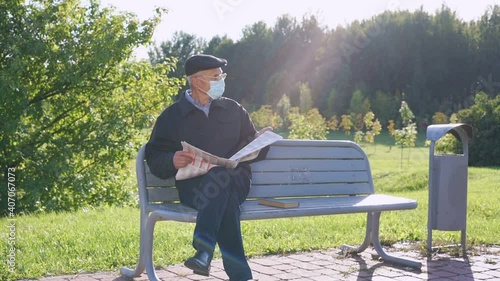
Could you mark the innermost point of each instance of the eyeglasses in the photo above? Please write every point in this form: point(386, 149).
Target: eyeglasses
point(218, 77)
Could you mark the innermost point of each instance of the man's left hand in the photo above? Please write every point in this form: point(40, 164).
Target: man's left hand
point(263, 131)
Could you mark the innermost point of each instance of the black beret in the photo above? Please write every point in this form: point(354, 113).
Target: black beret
point(202, 62)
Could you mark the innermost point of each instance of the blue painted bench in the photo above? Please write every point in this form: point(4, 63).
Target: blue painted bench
point(325, 177)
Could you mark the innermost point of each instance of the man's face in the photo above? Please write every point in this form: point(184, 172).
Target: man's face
point(203, 78)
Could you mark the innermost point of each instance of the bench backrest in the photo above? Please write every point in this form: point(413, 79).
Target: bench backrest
point(292, 168)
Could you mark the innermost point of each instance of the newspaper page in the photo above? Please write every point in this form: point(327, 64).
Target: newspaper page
point(204, 161)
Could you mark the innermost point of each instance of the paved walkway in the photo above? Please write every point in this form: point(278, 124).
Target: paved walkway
point(329, 265)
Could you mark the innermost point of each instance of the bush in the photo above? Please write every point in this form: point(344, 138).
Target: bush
point(72, 106)
point(307, 126)
point(484, 117)
point(265, 117)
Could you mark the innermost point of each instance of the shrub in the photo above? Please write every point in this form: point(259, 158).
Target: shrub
point(72, 105)
point(484, 117)
point(307, 126)
point(265, 117)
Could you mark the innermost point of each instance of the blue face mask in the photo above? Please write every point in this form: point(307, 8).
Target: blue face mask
point(216, 89)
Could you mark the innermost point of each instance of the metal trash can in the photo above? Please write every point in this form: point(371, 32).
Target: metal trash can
point(448, 183)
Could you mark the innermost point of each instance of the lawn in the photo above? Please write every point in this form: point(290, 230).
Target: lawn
point(99, 239)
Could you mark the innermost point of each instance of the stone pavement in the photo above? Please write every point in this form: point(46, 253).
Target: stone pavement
point(329, 265)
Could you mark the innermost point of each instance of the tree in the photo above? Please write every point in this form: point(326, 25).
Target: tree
point(384, 107)
point(181, 47)
point(439, 118)
point(72, 104)
point(359, 104)
point(305, 97)
point(484, 117)
point(346, 124)
point(265, 117)
point(283, 108)
point(408, 134)
point(373, 127)
point(333, 123)
point(307, 126)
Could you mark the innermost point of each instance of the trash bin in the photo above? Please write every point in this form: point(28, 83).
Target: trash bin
point(448, 183)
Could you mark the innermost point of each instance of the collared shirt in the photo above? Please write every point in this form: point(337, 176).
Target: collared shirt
point(225, 130)
point(204, 108)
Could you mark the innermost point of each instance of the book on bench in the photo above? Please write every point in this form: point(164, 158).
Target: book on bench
point(278, 203)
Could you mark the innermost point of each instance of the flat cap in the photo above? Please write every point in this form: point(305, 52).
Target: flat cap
point(201, 62)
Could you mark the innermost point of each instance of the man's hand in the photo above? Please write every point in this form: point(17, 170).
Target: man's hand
point(263, 131)
point(182, 159)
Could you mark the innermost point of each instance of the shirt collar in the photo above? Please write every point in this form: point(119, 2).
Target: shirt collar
point(187, 106)
point(205, 108)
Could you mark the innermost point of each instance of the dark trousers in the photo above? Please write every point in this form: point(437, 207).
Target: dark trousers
point(217, 196)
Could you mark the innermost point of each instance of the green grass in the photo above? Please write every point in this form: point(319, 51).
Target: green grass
point(108, 238)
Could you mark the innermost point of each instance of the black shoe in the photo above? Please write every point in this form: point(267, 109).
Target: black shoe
point(199, 263)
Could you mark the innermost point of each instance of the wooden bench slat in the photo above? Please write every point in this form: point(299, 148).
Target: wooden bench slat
point(167, 194)
point(153, 180)
point(162, 194)
point(310, 190)
point(306, 177)
point(306, 152)
point(310, 164)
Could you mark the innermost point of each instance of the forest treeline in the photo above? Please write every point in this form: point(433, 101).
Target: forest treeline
point(76, 106)
point(435, 62)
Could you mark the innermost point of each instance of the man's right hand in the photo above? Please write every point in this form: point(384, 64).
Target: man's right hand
point(182, 159)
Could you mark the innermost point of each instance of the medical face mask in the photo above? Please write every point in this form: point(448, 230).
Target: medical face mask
point(216, 89)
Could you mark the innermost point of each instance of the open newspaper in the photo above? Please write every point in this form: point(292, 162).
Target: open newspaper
point(204, 161)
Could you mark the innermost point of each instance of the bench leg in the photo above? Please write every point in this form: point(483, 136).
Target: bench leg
point(346, 249)
point(380, 250)
point(148, 246)
point(131, 273)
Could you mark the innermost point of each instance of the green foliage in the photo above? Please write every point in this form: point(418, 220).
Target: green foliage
point(439, 118)
point(307, 126)
point(391, 127)
point(448, 144)
point(346, 124)
point(333, 123)
point(484, 117)
point(407, 136)
point(359, 103)
point(283, 107)
point(275, 85)
point(358, 136)
point(305, 98)
point(181, 47)
point(372, 126)
point(358, 122)
point(265, 117)
point(384, 107)
point(72, 106)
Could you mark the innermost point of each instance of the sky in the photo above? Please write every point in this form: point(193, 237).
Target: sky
point(208, 18)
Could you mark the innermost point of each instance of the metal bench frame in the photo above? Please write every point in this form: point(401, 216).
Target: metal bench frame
point(325, 177)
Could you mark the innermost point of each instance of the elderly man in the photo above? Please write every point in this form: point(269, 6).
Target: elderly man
point(220, 126)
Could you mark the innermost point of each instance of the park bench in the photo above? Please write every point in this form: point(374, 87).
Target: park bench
point(325, 177)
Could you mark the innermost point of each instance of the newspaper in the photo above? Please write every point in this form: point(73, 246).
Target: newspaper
point(204, 161)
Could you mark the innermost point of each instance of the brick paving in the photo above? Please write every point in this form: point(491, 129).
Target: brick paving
point(328, 265)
